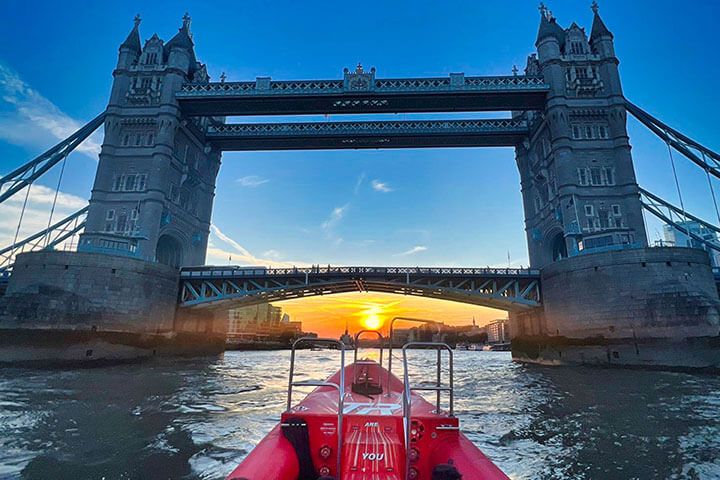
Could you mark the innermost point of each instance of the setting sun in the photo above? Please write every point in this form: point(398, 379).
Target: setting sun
point(372, 322)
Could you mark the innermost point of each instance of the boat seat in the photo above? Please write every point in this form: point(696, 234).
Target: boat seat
point(295, 430)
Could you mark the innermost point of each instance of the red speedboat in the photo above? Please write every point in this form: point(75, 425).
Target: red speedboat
point(364, 423)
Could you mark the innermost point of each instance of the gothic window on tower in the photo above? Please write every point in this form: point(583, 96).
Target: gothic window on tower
point(576, 132)
point(577, 48)
point(583, 176)
point(110, 214)
point(589, 211)
point(174, 193)
point(616, 210)
point(609, 174)
point(130, 182)
point(596, 176)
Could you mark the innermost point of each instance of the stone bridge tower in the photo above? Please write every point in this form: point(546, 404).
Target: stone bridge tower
point(577, 177)
point(154, 188)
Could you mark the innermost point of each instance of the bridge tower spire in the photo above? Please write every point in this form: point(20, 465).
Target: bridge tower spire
point(577, 176)
point(154, 188)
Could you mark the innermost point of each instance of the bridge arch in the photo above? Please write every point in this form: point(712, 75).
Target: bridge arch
point(229, 287)
point(169, 250)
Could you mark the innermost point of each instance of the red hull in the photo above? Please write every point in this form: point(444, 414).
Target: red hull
point(373, 438)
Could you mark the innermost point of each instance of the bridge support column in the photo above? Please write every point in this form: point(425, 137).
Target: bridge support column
point(69, 307)
point(646, 307)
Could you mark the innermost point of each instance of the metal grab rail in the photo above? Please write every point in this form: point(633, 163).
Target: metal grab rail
point(357, 347)
point(357, 336)
point(390, 348)
point(318, 383)
point(407, 400)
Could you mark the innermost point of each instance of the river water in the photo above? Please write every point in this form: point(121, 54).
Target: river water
point(197, 418)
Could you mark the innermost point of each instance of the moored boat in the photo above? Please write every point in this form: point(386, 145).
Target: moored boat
point(365, 423)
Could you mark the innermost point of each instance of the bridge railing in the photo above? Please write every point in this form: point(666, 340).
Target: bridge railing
point(263, 86)
point(240, 271)
point(369, 127)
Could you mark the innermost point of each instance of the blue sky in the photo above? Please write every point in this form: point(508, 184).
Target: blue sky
point(407, 207)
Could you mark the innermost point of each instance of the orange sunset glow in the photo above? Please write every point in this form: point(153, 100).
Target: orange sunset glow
point(328, 315)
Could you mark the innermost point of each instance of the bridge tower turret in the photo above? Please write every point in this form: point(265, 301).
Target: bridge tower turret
point(578, 182)
point(154, 188)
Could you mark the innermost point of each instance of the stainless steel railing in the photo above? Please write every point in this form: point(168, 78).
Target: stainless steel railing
point(438, 388)
point(340, 386)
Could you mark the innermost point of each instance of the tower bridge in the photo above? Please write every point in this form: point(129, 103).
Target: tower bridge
point(596, 291)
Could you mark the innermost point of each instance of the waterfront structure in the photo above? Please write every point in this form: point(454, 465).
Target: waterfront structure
point(498, 331)
point(595, 292)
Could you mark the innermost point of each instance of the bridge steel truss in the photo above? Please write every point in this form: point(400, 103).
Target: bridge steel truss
point(46, 239)
point(25, 175)
point(361, 92)
point(373, 134)
point(222, 287)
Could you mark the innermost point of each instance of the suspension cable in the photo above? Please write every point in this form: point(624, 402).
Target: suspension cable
point(677, 183)
point(22, 211)
point(57, 191)
point(712, 190)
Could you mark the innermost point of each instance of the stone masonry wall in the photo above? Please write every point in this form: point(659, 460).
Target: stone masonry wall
point(79, 291)
point(646, 292)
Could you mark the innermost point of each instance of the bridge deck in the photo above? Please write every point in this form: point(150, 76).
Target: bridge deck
point(378, 134)
point(222, 286)
point(363, 93)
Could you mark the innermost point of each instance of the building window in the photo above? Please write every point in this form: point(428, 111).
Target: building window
point(145, 83)
point(141, 182)
point(130, 183)
point(134, 214)
point(576, 132)
point(616, 210)
point(583, 176)
point(595, 176)
point(588, 132)
point(589, 211)
point(174, 193)
point(126, 140)
point(118, 183)
point(151, 139)
point(110, 214)
point(602, 131)
point(609, 175)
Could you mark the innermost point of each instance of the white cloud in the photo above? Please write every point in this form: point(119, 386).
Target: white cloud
point(412, 251)
point(328, 226)
point(252, 181)
point(335, 216)
point(31, 120)
point(233, 252)
point(379, 186)
point(359, 183)
point(274, 254)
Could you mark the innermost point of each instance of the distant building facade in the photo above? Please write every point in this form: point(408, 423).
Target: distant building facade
point(263, 319)
point(679, 237)
point(498, 331)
